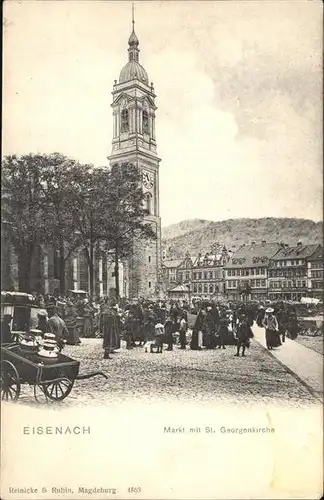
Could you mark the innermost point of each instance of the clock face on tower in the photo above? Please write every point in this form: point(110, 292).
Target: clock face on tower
point(148, 180)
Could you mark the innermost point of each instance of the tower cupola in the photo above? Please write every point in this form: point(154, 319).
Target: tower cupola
point(133, 70)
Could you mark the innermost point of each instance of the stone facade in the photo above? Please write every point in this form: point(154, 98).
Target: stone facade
point(288, 272)
point(104, 275)
point(246, 273)
point(315, 274)
point(134, 141)
point(43, 275)
point(201, 276)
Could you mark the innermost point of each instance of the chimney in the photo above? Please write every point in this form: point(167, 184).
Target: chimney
point(253, 243)
point(299, 244)
point(282, 244)
point(263, 242)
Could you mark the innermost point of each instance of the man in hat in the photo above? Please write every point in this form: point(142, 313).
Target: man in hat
point(57, 326)
point(130, 320)
point(110, 327)
point(42, 321)
point(243, 334)
point(260, 316)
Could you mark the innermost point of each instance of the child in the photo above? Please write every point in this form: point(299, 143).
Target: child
point(244, 334)
point(183, 330)
point(168, 328)
point(159, 337)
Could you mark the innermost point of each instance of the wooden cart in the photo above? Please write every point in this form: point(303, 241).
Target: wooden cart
point(53, 376)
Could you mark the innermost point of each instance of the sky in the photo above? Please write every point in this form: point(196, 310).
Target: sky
point(238, 84)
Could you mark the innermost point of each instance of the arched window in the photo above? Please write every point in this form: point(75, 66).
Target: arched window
point(124, 121)
point(145, 122)
point(148, 202)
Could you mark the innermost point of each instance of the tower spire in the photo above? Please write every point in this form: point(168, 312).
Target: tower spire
point(133, 42)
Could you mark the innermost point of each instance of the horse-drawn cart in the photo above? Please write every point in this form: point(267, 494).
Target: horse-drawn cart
point(54, 377)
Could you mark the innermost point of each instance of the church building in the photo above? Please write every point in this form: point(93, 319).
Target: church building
point(134, 141)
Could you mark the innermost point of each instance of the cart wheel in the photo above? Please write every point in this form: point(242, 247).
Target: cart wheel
point(10, 382)
point(58, 390)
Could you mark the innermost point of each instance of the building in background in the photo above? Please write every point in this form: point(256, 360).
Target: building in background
point(197, 277)
point(180, 292)
point(315, 272)
point(134, 141)
point(45, 272)
point(288, 272)
point(78, 275)
point(170, 272)
point(208, 277)
point(246, 273)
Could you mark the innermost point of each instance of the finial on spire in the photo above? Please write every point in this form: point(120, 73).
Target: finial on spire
point(133, 41)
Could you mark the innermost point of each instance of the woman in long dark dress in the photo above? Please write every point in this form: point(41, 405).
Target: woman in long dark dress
point(110, 328)
point(292, 324)
point(197, 332)
point(71, 324)
point(88, 319)
point(270, 323)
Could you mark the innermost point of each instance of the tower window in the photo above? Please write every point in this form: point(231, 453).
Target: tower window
point(149, 259)
point(149, 284)
point(124, 121)
point(148, 202)
point(145, 122)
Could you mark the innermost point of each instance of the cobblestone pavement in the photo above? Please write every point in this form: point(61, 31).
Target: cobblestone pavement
point(199, 376)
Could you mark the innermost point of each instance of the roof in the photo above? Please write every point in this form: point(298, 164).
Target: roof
point(133, 40)
point(318, 254)
point(18, 294)
point(179, 288)
point(172, 263)
point(133, 70)
point(255, 255)
point(208, 259)
point(297, 252)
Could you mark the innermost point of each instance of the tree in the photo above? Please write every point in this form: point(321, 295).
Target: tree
point(60, 180)
point(89, 213)
point(53, 199)
point(38, 192)
point(127, 214)
point(22, 211)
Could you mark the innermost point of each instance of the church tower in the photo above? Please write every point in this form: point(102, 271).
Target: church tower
point(134, 141)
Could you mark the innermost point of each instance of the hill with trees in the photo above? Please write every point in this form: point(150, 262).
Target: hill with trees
point(199, 235)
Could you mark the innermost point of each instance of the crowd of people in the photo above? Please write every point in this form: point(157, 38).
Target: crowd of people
point(155, 323)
